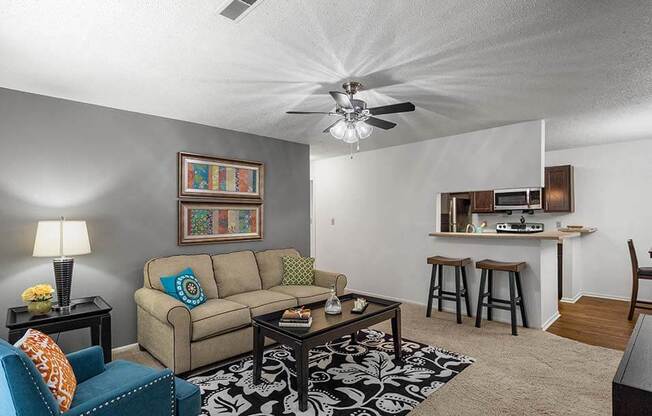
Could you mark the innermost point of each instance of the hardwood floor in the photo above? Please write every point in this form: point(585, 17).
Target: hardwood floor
point(595, 321)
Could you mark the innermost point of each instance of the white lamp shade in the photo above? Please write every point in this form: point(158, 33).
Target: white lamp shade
point(61, 238)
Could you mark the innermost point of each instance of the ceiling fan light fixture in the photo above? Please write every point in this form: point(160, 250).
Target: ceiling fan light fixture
point(350, 134)
point(363, 129)
point(357, 120)
point(338, 130)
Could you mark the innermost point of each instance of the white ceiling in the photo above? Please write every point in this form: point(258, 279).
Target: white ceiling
point(585, 66)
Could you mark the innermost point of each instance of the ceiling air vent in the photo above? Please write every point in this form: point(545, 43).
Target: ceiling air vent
point(236, 10)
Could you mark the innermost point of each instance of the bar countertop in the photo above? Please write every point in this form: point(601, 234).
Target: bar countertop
point(545, 235)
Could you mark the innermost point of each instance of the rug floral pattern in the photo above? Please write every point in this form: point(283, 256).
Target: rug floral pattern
point(345, 379)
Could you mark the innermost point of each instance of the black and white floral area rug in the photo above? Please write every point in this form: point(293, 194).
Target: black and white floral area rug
point(345, 379)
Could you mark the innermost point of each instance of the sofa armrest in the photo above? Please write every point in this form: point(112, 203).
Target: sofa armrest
point(328, 279)
point(153, 394)
point(164, 328)
point(163, 307)
point(86, 363)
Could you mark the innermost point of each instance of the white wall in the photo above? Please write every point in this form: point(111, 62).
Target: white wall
point(613, 191)
point(374, 212)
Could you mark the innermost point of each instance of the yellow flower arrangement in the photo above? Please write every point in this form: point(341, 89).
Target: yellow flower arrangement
point(37, 293)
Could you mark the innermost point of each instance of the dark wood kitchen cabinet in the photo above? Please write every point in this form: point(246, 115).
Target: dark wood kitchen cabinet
point(482, 201)
point(445, 216)
point(559, 191)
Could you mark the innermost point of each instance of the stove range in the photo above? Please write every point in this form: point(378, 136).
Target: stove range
point(519, 227)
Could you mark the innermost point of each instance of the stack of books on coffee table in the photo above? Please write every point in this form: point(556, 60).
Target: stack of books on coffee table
point(296, 318)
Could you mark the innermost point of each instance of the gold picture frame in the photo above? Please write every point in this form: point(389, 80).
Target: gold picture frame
point(220, 221)
point(203, 176)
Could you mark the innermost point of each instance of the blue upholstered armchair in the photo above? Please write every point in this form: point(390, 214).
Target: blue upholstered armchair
point(117, 388)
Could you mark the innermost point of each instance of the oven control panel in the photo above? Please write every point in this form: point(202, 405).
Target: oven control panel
point(517, 227)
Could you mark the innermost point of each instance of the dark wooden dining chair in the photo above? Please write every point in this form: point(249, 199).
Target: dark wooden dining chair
point(637, 273)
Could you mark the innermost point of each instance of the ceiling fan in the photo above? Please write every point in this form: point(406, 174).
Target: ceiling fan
point(356, 120)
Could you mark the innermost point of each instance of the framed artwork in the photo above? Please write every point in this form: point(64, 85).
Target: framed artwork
point(203, 222)
point(206, 177)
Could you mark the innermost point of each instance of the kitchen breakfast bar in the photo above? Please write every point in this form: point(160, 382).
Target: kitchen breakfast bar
point(541, 278)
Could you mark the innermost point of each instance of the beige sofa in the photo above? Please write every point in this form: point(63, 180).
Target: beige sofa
point(238, 286)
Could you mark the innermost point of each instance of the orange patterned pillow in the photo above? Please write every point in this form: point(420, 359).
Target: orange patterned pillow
point(53, 365)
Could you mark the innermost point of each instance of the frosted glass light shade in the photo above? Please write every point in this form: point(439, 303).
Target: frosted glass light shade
point(351, 131)
point(338, 130)
point(364, 130)
point(61, 238)
point(350, 135)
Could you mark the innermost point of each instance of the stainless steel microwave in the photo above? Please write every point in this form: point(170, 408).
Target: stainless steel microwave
point(514, 199)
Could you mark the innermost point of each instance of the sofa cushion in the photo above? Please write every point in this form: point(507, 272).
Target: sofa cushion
point(271, 267)
point(112, 378)
point(217, 316)
point(184, 287)
point(261, 302)
point(200, 264)
point(52, 364)
point(236, 273)
point(298, 270)
point(304, 294)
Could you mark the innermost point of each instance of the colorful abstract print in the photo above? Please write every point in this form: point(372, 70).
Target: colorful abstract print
point(222, 221)
point(221, 178)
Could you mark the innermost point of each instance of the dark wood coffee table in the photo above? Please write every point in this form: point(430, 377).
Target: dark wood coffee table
point(324, 328)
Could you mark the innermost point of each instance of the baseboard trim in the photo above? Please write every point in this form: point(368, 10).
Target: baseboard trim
point(573, 299)
point(364, 292)
point(550, 321)
point(603, 296)
point(445, 308)
point(598, 295)
point(124, 348)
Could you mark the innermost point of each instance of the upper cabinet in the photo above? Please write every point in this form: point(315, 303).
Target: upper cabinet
point(482, 201)
point(559, 189)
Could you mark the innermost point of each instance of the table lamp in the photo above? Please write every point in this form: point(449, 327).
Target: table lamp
point(61, 239)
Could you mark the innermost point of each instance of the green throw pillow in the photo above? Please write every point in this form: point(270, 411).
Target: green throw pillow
point(298, 270)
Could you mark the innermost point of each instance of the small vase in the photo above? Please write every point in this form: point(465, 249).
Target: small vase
point(333, 304)
point(39, 307)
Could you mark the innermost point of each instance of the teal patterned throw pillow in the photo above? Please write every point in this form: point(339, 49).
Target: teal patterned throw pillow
point(298, 270)
point(184, 287)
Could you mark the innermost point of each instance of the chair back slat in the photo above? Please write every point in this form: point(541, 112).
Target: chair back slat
point(632, 256)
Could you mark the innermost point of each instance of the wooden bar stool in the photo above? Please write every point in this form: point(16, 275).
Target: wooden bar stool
point(515, 290)
point(438, 263)
point(637, 273)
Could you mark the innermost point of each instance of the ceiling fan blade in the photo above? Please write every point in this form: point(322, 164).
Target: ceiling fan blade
point(381, 124)
point(341, 99)
point(309, 112)
point(393, 108)
point(328, 129)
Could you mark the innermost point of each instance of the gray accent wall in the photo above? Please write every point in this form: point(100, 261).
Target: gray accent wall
point(118, 171)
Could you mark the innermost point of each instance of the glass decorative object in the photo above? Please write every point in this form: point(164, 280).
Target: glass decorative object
point(38, 299)
point(39, 307)
point(333, 304)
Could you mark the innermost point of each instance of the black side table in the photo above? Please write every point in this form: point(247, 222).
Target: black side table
point(91, 312)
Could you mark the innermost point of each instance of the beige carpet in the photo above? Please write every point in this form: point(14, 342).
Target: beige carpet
point(536, 373)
